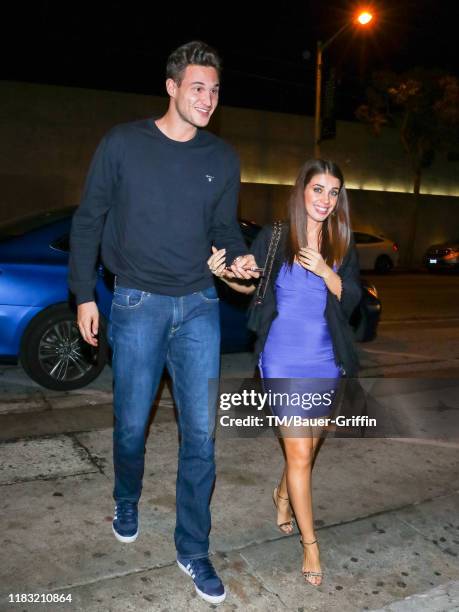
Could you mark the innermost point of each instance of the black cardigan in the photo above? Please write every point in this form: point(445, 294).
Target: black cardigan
point(337, 312)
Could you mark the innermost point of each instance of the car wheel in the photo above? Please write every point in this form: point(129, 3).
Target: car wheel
point(54, 354)
point(358, 327)
point(363, 321)
point(383, 264)
point(363, 330)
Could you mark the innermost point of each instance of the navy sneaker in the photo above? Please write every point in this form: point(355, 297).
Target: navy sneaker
point(206, 582)
point(125, 523)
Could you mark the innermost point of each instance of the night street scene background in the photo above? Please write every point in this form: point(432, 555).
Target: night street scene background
point(268, 53)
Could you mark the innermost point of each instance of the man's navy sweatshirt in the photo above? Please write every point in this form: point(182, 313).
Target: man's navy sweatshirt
point(155, 206)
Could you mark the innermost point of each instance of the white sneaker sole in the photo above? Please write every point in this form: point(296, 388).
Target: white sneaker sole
point(215, 599)
point(125, 539)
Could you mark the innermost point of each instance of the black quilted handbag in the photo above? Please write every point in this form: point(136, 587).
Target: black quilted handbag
point(254, 313)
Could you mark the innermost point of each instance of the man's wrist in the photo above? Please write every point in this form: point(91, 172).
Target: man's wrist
point(83, 298)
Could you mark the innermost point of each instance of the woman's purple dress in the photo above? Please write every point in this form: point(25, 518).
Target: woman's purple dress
point(299, 348)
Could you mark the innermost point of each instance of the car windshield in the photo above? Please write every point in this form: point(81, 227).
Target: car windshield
point(19, 227)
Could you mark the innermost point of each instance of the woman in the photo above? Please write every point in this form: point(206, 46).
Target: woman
point(304, 341)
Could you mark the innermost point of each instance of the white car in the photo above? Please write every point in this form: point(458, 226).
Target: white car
point(376, 252)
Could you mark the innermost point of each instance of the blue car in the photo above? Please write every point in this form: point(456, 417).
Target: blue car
point(37, 316)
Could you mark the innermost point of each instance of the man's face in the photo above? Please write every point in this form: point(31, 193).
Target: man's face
point(196, 97)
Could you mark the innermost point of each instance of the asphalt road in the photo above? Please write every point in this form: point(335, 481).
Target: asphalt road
point(418, 334)
point(417, 296)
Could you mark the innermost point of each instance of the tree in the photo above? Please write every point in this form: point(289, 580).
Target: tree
point(423, 104)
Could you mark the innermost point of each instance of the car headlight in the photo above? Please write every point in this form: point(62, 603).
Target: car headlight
point(452, 254)
point(372, 290)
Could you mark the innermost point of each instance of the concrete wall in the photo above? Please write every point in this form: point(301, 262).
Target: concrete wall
point(48, 135)
point(273, 146)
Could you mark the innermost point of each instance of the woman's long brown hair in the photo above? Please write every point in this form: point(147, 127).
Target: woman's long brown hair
point(336, 230)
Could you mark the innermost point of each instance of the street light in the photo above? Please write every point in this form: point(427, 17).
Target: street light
point(363, 18)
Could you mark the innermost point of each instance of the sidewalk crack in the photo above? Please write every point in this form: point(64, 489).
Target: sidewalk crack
point(96, 461)
point(261, 581)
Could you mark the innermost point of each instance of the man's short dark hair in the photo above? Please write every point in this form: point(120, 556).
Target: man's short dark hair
point(194, 53)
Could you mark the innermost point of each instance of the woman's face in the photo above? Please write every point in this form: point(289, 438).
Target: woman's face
point(321, 196)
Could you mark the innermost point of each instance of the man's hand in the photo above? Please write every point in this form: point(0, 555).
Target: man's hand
point(244, 267)
point(88, 322)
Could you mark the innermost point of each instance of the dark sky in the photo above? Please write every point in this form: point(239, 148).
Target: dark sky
point(123, 46)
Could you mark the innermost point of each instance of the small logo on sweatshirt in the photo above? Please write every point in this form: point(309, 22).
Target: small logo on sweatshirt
point(209, 177)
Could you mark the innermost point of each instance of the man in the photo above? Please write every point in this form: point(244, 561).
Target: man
point(158, 193)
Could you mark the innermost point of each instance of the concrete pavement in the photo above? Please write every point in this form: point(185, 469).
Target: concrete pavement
point(387, 516)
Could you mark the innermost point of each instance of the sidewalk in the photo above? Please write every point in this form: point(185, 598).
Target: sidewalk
point(386, 516)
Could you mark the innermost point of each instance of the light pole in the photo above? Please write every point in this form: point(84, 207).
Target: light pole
point(363, 18)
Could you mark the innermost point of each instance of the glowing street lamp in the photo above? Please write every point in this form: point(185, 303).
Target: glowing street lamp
point(363, 18)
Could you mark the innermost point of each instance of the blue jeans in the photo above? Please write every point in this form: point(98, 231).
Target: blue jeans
point(147, 332)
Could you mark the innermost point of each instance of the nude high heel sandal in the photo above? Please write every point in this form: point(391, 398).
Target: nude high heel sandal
point(308, 574)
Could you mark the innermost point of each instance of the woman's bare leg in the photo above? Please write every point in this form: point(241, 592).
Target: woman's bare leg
point(300, 456)
point(282, 502)
point(283, 483)
point(282, 487)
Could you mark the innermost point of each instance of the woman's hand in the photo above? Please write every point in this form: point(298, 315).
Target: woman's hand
point(217, 262)
point(313, 261)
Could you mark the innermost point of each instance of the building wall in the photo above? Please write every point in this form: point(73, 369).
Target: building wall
point(272, 147)
point(48, 135)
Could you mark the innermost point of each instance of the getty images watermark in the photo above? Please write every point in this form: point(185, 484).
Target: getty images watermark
point(353, 407)
point(287, 410)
